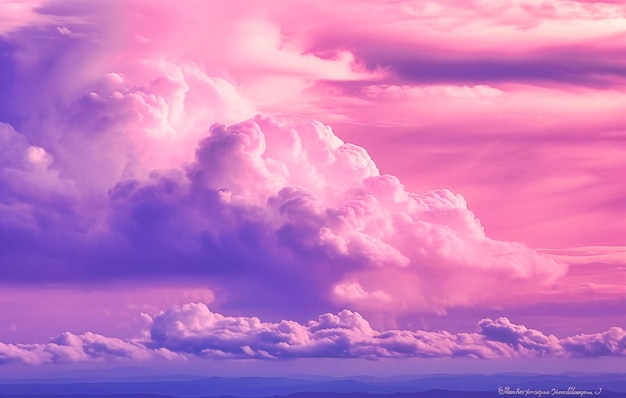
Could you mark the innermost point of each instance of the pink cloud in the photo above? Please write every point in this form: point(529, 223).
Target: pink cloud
point(304, 197)
point(519, 337)
point(416, 249)
point(486, 108)
point(610, 342)
point(509, 27)
point(69, 347)
point(544, 153)
point(193, 329)
point(16, 14)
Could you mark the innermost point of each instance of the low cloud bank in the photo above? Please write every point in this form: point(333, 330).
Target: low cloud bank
point(193, 329)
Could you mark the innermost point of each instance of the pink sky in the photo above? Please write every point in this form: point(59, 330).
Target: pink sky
point(430, 169)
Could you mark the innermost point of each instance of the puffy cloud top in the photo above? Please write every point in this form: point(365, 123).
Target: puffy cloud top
point(284, 213)
point(267, 195)
point(156, 167)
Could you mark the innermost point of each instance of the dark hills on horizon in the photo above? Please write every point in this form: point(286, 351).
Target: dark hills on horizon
point(436, 386)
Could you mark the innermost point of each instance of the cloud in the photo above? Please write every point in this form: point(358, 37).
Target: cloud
point(16, 14)
point(21, 161)
point(69, 347)
point(146, 162)
point(610, 342)
point(519, 337)
point(152, 116)
point(267, 195)
point(536, 69)
point(34, 196)
point(194, 330)
point(590, 254)
point(282, 212)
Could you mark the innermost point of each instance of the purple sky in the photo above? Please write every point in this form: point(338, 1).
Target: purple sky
point(390, 180)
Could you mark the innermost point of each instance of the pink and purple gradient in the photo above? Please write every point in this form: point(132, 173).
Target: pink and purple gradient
point(277, 180)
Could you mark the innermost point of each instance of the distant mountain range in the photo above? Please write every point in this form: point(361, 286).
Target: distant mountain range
point(435, 386)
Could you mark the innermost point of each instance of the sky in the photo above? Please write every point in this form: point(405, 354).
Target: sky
point(267, 183)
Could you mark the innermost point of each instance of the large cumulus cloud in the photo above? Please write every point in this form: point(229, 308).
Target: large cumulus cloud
point(150, 167)
point(269, 212)
point(281, 204)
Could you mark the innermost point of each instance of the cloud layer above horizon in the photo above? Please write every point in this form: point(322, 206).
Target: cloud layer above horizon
point(194, 330)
